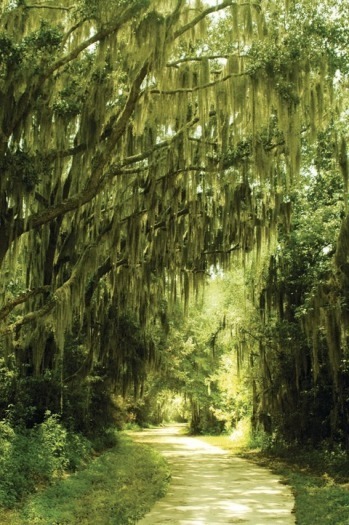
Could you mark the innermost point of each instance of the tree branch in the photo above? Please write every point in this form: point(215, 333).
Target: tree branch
point(26, 319)
point(54, 299)
point(203, 141)
point(96, 181)
point(230, 250)
point(175, 63)
point(208, 11)
point(195, 88)
point(128, 13)
point(133, 159)
point(72, 29)
point(42, 6)
point(61, 154)
point(22, 298)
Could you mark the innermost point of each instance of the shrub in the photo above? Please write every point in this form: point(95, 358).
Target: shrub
point(31, 457)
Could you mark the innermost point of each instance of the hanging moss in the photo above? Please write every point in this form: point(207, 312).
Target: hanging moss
point(334, 343)
point(128, 102)
point(344, 165)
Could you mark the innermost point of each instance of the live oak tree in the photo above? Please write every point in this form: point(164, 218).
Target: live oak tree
point(141, 143)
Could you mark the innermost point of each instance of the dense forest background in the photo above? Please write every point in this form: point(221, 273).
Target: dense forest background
point(174, 226)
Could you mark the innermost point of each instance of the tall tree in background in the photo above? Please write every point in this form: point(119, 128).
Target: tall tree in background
point(137, 149)
point(303, 310)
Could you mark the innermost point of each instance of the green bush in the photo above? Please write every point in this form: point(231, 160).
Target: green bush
point(105, 439)
point(260, 439)
point(32, 457)
point(116, 488)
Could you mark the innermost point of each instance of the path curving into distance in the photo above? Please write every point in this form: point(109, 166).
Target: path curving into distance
point(209, 487)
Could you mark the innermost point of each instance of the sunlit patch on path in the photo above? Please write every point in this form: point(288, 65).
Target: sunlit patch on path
point(208, 486)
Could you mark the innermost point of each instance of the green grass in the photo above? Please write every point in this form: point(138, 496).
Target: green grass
point(319, 480)
point(318, 500)
point(116, 488)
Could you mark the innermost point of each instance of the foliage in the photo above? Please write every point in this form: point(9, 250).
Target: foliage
point(85, 404)
point(143, 145)
point(30, 458)
point(201, 377)
point(118, 487)
point(319, 480)
point(303, 365)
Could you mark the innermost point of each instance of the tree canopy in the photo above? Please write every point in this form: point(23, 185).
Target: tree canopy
point(143, 143)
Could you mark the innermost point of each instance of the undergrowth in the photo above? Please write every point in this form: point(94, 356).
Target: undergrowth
point(30, 458)
point(319, 480)
point(51, 477)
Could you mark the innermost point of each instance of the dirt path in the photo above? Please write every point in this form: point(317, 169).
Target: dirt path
point(210, 487)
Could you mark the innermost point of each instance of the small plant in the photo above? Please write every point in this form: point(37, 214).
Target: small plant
point(260, 439)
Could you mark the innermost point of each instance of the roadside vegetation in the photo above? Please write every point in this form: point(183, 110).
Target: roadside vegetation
point(117, 487)
point(319, 483)
point(319, 478)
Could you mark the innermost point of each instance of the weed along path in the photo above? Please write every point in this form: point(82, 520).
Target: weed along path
point(209, 486)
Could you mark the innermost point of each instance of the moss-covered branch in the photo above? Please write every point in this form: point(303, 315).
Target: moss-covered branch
point(20, 299)
point(47, 6)
point(196, 88)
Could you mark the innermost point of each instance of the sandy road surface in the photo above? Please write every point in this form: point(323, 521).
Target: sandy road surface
point(210, 487)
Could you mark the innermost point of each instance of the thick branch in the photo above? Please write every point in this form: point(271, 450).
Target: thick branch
point(72, 29)
point(146, 154)
point(49, 306)
point(42, 6)
point(100, 35)
point(22, 298)
point(203, 141)
point(229, 250)
point(29, 318)
point(127, 111)
point(200, 58)
point(97, 181)
point(61, 154)
point(207, 12)
point(105, 268)
point(195, 88)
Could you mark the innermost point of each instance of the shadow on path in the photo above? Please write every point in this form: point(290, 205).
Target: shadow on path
point(209, 486)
